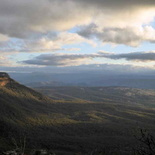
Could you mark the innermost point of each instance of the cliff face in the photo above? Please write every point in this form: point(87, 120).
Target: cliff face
point(4, 79)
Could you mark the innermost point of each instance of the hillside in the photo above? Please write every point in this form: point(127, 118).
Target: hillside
point(74, 123)
point(18, 104)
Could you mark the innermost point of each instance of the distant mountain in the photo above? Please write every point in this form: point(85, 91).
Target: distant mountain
point(73, 119)
point(90, 79)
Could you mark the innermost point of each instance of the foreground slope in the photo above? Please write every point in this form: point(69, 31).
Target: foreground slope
point(76, 125)
point(17, 105)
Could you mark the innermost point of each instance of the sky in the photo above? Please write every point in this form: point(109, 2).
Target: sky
point(47, 35)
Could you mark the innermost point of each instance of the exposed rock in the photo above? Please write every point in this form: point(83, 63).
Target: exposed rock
point(5, 79)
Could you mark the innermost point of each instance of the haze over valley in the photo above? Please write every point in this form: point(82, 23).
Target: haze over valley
point(86, 79)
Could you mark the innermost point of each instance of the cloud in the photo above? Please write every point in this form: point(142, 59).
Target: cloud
point(60, 60)
point(80, 59)
point(112, 13)
point(132, 36)
point(20, 18)
point(136, 56)
point(4, 61)
point(120, 22)
point(118, 4)
point(3, 38)
point(45, 43)
point(44, 26)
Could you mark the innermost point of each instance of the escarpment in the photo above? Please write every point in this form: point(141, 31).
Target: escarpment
point(5, 79)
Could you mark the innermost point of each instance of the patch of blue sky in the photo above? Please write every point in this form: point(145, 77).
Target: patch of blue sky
point(146, 47)
point(123, 48)
point(23, 56)
point(109, 61)
point(85, 48)
point(74, 29)
point(153, 23)
point(88, 49)
point(116, 48)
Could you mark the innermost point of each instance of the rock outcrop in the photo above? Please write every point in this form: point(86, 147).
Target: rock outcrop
point(4, 79)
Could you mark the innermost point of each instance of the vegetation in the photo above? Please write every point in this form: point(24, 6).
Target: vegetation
point(147, 143)
point(69, 126)
point(111, 95)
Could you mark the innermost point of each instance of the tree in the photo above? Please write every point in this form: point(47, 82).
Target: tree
point(147, 143)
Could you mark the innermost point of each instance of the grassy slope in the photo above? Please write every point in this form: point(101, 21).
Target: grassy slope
point(74, 124)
